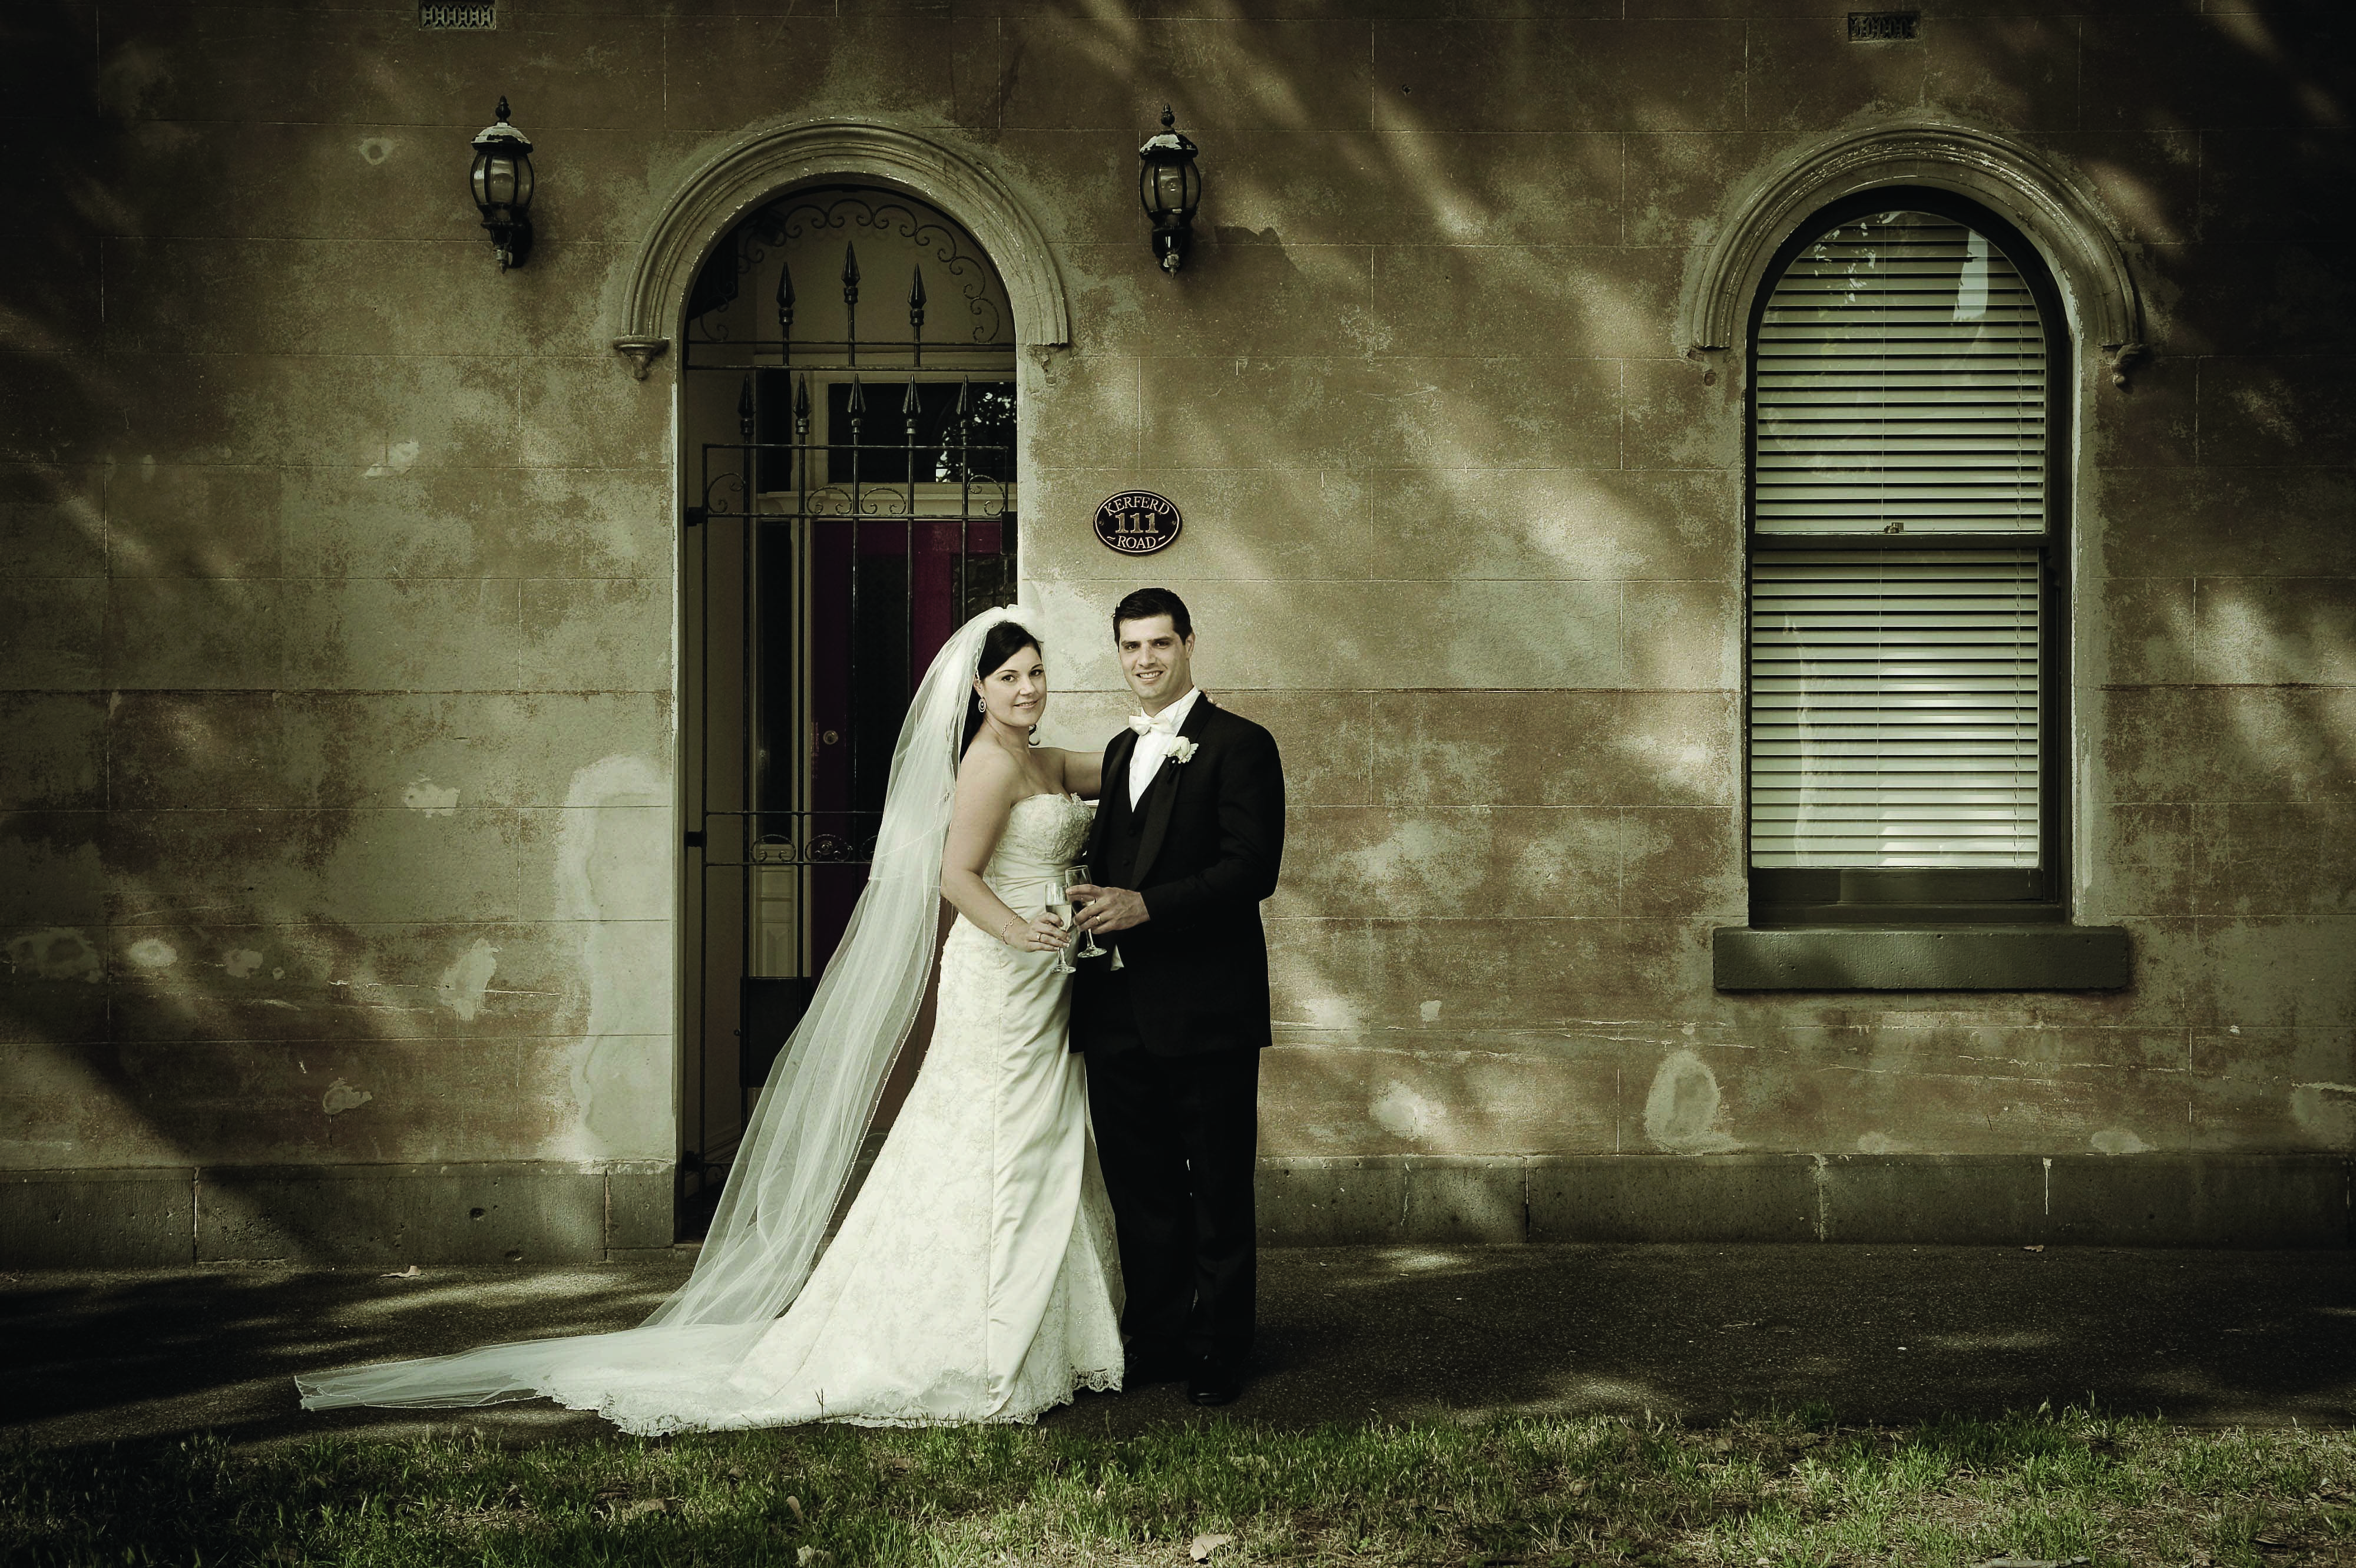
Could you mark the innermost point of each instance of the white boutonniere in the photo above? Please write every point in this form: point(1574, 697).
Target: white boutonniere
point(1182, 749)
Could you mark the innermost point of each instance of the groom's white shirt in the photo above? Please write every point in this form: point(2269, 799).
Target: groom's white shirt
point(1146, 758)
point(1153, 747)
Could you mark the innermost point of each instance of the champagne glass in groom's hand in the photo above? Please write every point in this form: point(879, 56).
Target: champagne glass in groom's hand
point(1075, 879)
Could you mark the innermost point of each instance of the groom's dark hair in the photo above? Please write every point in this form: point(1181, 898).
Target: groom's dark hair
point(1147, 603)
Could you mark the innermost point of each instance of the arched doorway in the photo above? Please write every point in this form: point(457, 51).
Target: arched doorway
point(847, 458)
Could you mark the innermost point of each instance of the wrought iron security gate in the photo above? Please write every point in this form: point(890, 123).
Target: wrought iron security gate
point(851, 499)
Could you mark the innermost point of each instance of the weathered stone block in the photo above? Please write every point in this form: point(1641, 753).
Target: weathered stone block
point(1088, 412)
point(1258, 412)
point(2019, 72)
point(1224, 76)
point(1484, 1202)
point(2285, 971)
point(2229, 744)
point(2202, 523)
point(1957, 958)
point(96, 1218)
point(640, 1206)
point(54, 521)
point(1683, 861)
point(357, 866)
point(1546, 522)
point(1604, 301)
point(573, 72)
point(598, 634)
point(52, 869)
point(1368, 862)
point(2253, 861)
point(1245, 294)
point(1064, 172)
point(1669, 1197)
point(52, 631)
point(52, 996)
point(1681, 635)
point(2288, 412)
point(396, 1213)
point(320, 985)
point(1427, 1089)
point(2239, 631)
point(724, 72)
point(1421, 186)
point(1679, 183)
point(1552, 74)
point(1962, 1198)
point(2258, 185)
point(1316, 967)
point(1329, 1203)
point(2155, 427)
point(1542, 973)
point(55, 756)
point(2284, 1091)
point(398, 634)
point(1330, 741)
point(588, 414)
point(1806, 75)
point(2145, 857)
point(2161, 69)
point(1555, 748)
point(1682, 414)
point(2202, 1200)
point(2150, 180)
point(1502, 412)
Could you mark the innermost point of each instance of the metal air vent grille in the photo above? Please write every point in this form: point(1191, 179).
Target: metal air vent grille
point(457, 16)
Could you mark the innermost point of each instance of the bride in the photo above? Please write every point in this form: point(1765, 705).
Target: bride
point(974, 1277)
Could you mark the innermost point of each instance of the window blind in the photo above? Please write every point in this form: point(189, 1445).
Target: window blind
point(1894, 708)
point(1901, 386)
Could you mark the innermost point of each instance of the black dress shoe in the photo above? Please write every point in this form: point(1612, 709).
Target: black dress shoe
point(1214, 1383)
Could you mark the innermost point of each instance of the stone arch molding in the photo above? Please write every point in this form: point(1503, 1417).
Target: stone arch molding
point(1992, 169)
point(757, 164)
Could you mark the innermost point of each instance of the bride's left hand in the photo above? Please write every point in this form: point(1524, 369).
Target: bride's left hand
point(1108, 909)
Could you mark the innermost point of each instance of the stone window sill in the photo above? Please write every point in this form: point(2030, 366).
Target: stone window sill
point(1924, 958)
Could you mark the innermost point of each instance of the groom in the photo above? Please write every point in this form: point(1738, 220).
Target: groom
point(1188, 834)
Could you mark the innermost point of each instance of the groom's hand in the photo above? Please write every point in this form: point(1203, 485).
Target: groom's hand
point(1109, 909)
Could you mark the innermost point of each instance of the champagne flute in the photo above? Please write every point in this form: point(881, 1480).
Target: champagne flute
point(1076, 876)
point(1059, 905)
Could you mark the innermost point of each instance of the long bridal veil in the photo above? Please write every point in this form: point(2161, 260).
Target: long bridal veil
point(798, 1152)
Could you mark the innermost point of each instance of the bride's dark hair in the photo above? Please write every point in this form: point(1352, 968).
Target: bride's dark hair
point(999, 644)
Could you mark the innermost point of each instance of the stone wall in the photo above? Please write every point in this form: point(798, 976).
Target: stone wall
point(340, 656)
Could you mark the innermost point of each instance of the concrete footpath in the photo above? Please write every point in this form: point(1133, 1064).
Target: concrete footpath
point(1880, 1334)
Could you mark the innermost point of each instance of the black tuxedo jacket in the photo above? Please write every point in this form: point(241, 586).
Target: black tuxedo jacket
point(1202, 846)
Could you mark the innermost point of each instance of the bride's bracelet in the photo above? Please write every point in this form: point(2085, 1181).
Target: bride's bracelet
point(1011, 920)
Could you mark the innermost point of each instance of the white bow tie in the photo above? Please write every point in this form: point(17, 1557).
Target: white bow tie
point(1160, 723)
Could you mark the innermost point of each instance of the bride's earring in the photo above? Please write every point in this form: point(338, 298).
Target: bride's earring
point(979, 705)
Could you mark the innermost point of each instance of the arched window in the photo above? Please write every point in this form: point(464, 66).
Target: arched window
point(1908, 758)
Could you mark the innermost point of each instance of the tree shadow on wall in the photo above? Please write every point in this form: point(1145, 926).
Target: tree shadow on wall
point(166, 1063)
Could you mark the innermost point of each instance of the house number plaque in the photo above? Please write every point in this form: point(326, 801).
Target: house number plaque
point(1137, 522)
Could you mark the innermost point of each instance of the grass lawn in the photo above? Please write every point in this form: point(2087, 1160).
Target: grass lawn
point(1796, 1489)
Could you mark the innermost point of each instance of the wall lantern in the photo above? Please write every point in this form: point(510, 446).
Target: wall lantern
point(502, 181)
point(1171, 188)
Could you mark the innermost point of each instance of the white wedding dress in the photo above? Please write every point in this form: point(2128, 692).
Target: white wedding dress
point(974, 1278)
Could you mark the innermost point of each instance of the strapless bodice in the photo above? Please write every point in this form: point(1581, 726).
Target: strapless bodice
point(1044, 835)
